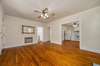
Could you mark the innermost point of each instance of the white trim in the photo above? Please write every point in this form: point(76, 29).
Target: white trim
point(18, 45)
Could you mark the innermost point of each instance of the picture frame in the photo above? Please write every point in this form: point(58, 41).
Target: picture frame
point(28, 29)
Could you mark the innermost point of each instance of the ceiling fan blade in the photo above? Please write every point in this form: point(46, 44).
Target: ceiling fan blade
point(37, 11)
point(46, 9)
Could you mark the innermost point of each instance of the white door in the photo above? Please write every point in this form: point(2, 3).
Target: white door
point(40, 33)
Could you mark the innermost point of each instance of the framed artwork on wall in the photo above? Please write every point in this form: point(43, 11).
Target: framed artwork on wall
point(28, 29)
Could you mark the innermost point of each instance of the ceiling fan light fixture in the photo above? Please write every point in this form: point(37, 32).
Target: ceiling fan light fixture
point(74, 25)
point(44, 15)
point(41, 15)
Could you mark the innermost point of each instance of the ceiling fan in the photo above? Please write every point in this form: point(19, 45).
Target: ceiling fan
point(75, 24)
point(44, 13)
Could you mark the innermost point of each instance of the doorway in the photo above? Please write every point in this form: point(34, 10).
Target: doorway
point(71, 34)
point(40, 33)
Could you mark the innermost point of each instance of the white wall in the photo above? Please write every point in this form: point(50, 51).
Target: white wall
point(90, 29)
point(13, 28)
point(46, 32)
point(55, 32)
point(1, 17)
point(56, 28)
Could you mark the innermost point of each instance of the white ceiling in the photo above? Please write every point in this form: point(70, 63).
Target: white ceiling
point(62, 8)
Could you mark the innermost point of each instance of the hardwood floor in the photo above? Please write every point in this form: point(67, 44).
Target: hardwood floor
point(47, 55)
point(71, 44)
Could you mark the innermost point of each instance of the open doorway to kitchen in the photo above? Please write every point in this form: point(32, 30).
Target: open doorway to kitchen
point(71, 34)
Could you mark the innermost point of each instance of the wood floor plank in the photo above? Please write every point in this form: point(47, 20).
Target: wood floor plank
point(47, 55)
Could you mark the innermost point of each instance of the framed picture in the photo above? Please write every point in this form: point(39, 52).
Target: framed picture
point(28, 29)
